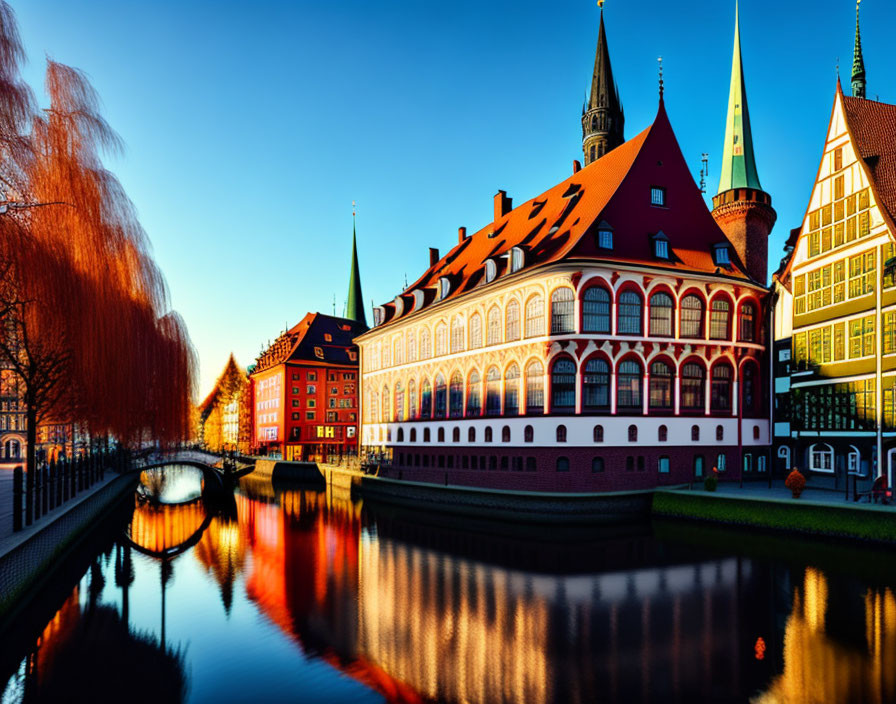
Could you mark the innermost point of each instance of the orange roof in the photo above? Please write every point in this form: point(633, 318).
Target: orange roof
point(562, 223)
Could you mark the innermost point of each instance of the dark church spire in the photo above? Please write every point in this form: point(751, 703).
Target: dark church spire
point(603, 119)
point(354, 307)
point(858, 62)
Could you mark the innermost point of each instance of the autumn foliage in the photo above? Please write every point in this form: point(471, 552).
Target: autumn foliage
point(87, 325)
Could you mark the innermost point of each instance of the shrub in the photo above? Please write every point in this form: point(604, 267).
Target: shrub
point(712, 480)
point(796, 482)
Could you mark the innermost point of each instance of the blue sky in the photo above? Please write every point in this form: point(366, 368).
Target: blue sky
point(251, 127)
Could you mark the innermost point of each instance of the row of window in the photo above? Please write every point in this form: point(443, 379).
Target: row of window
point(840, 222)
point(848, 278)
point(843, 340)
point(460, 399)
point(597, 316)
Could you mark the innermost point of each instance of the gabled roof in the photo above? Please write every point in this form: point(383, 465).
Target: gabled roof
point(317, 338)
point(225, 384)
point(562, 223)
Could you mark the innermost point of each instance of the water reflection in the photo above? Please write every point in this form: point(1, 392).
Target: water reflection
point(171, 484)
point(281, 593)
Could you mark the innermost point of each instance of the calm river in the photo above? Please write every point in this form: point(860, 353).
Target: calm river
point(290, 594)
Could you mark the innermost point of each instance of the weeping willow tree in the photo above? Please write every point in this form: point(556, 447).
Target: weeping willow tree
point(87, 325)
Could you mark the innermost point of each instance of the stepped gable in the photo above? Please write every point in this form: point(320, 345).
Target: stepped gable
point(316, 339)
point(562, 223)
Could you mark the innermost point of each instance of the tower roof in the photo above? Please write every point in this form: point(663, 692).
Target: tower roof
point(858, 62)
point(738, 161)
point(354, 307)
point(603, 87)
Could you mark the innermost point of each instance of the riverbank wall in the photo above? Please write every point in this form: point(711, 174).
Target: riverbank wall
point(27, 558)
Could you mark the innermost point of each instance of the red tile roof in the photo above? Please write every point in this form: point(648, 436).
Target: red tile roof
point(308, 342)
point(562, 222)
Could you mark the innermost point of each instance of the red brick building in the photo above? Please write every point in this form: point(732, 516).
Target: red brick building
point(304, 391)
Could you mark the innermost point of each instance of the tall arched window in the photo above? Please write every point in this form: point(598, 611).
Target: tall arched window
point(721, 387)
point(412, 399)
point(441, 394)
point(534, 387)
point(398, 350)
point(661, 377)
point(457, 334)
point(748, 388)
point(505, 434)
point(748, 322)
point(561, 433)
point(426, 400)
point(535, 316)
point(695, 433)
point(374, 406)
point(563, 386)
point(596, 310)
point(471, 434)
point(720, 319)
point(563, 318)
point(633, 433)
point(661, 312)
point(456, 395)
point(494, 326)
point(512, 390)
point(662, 434)
point(693, 387)
point(474, 395)
point(596, 385)
point(475, 331)
point(692, 316)
point(455, 436)
point(441, 339)
point(386, 408)
point(412, 346)
point(528, 434)
point(720, 433)
point(399, 402)
point(512, 333)
point(598, 434)
point(629, 386)
point(493, 392)
point(629, 312)
point(425, 344)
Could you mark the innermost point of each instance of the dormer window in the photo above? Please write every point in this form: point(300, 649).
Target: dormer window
point(605, 235)
point(657, 196)
point(491, 270)
point(444, 288)
point(378, 315)
point(722, 255)
point(399, 305)
point(517, 259)
point(660, 246)
point(419, 299)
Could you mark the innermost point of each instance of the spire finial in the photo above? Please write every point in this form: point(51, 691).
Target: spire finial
point(600, 4)
point(660, 62)
point(858, 61)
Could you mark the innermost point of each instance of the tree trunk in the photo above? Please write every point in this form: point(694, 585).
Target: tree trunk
point(30, 459)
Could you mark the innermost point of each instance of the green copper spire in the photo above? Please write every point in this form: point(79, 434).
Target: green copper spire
point(738, 162)
point(858, 63)
point(354, 308)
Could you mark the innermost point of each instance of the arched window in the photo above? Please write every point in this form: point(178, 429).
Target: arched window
point(528, 434)
point(441, 393)
point(488, 434)
point(426, 400)
point(748, 388)
point(474, 395)
point(661, 311)
point(720, 319)
point(563, 386)
point(412, 346)
point(386, 408)
point(692, 316)
point(471, 434)
point(505, 434)
point(398, 351)
point(695, 433)
point(561, 433)
point(455, 436)
point(535, 316)
point(441, 434)
point(597, 465)
point(475, 331)
point(412, 399)
point(721, 387)
point(563, 318)
point(413, 435)
point(494, 326)
point(399, 402)
point(425, 344)
point(662, 434)
point(562, 464)
point(629, 312)
point(534, 388)
point(629, 386)
point(457, 335)
point(596, 310)
point(374, 407)
point(747, 322)
point(456, 395)
point(661, 377)
point(427, 436)
point(596, 385)
point(441, 339)
point(493, 392)
point(512, 390)
point(693, 387)
point(633, 433)
point(598, 433)
point(756, 432)
point(400, 437)
point(512, 333)
point(720, 433)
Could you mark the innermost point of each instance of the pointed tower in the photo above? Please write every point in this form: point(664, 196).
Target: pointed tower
point(741, 208)
point(354, 307)
point(858, 62)
point(603, 120)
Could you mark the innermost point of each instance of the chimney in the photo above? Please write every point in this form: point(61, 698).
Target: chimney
point(576, 166)
point(461, 234)
point(503, 205)
point(433, 256)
